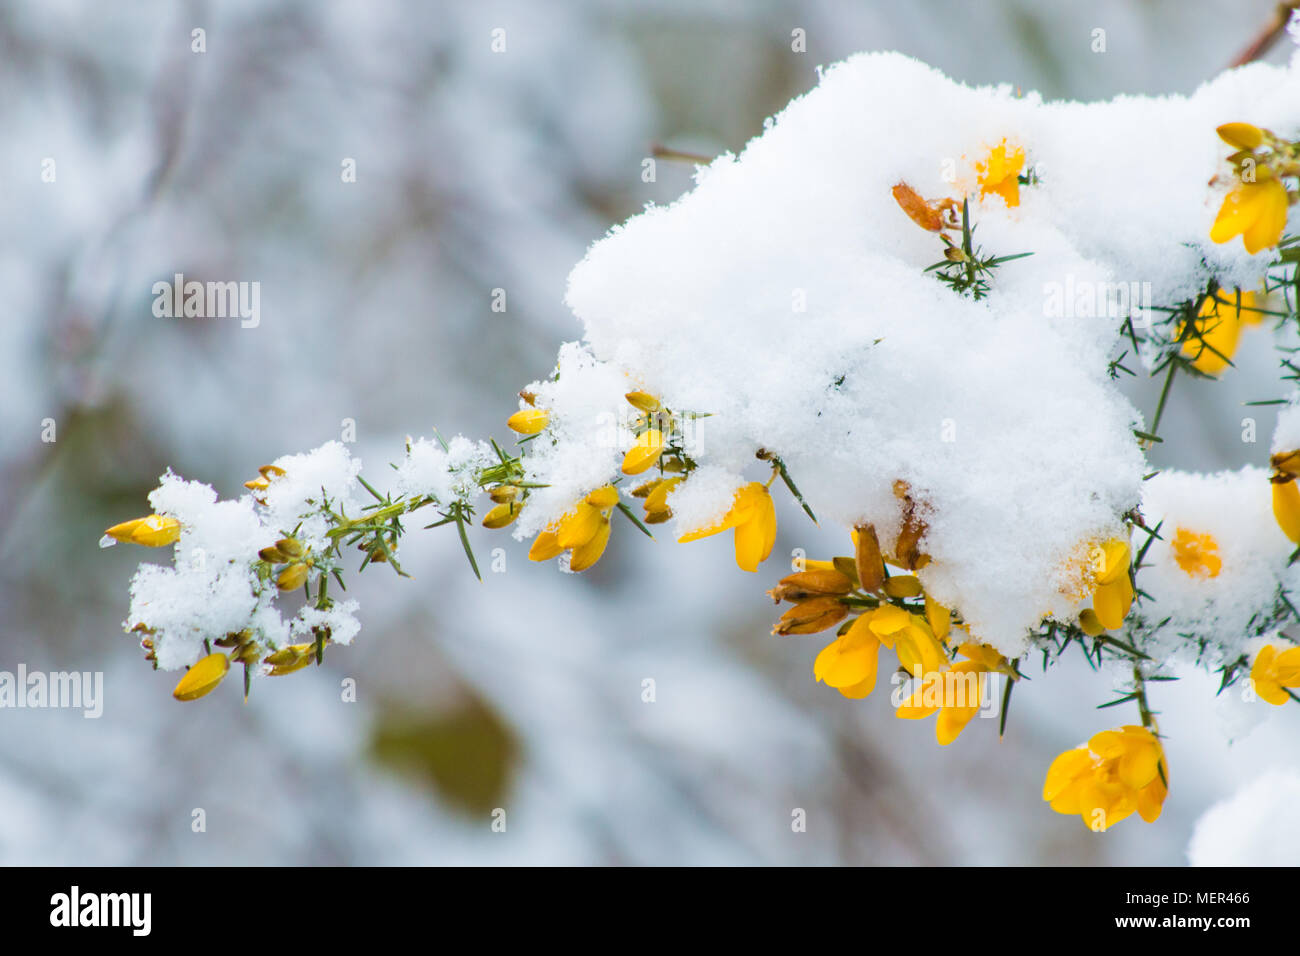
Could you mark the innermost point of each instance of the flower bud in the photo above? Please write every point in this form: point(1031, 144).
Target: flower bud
point(804, 585)
point(292, 577)
point(809, 617)
point(1241, 135)
point(152, 531)
point(528, 421)
point(501, 515)
point(202, 678)
point(644, 401)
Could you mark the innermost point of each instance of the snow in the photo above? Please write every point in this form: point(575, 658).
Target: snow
point(212, 588)
point(441, 474)
point(785, 295)
point(1237, 607)
point(1256, 826)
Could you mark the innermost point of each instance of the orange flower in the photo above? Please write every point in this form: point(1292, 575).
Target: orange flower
point(1000, 173)
point(1196, 554)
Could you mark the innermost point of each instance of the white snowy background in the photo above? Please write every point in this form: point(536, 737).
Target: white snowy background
point(479, 171)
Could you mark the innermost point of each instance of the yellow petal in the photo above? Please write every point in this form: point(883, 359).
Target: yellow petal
point(1151, 800)
point(1235, 215)
point(579, 526)
point(938, 616)
point(1137, 767)
point(1065, 769)
point(603, 498)
point(755, 538)
point(644, 452)
point(202, 677)
point(657, 500)
point(1286, 667)
point(1111, 603)
point(952, 721)
point(1266, 231)
point(1286, 508)
point(589, 553)
point(849, 660)
point(739, 510)
point(545, 546)
point(1115, 557)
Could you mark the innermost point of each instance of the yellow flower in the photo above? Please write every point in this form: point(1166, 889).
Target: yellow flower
point(288, 659)
point(528, 421)
point(1000, 173)
point(1112, 594)
point(152, 531)
point(1273, 672)
point(583, 532)
point(1255, 211)
point(955, 693)
point(644, 452)
point(849, 662)
point(1286, 507)
point(1196, 554)
point(1117, 773)
point(202, 677)
point(1218, 326)
point(753, 517)
point(656, 499)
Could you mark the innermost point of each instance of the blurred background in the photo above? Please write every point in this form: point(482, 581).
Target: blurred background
point(476, 171)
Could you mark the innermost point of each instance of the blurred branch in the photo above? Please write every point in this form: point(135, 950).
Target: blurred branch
point(1268, 36)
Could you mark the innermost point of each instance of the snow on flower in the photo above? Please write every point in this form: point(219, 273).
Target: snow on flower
point(905, 306)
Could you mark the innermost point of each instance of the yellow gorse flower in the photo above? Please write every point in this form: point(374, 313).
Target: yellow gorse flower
point(1218, 326)
point(1196, 554)
point(644, 452)
point(1119, 772)
point(655, 494)
point(203, 677)
point(954, 693)
point(152, 531)
point(753, 516)
point(1000, 173)
point(849, 663)
point(1255, 211)
point(1255, 208)
point(1273, 672)
point(583, 532)
point(1112, 588)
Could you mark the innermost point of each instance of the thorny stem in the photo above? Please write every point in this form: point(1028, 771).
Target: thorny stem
point(1140, 696)
point(1164, 394)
